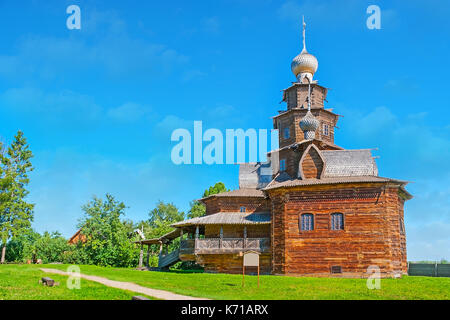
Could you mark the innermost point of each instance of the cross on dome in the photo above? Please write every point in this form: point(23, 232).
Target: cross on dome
point(305, 65)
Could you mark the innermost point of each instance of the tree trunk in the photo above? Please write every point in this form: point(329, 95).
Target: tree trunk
point(3, 253)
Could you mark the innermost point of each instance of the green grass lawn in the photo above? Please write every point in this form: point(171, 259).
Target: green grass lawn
point(21, 282)
point(224, 286)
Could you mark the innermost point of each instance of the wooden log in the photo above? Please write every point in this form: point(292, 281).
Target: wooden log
point(139, 298)
point(48, 282)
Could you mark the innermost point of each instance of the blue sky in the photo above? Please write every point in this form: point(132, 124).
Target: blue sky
point(98, 105)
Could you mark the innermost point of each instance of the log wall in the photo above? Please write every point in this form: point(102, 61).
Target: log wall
point(234, 204)
point(237, 231)
point(232, 263)
point(372, 235)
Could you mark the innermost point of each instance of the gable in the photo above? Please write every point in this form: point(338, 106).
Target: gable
point(311, 164)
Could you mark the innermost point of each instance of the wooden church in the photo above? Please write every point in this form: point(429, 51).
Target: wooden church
point(321, 211)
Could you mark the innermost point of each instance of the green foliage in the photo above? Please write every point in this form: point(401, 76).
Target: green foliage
point(19, 248)
point(16, 214)
point(108, 240)
point(198, 209)
point(217, 188)
point(161, 217)
point(49, 247)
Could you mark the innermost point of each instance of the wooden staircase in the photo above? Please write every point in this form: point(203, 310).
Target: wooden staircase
point(165, 261)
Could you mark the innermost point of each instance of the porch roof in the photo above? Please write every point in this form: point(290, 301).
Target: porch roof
point(223, 218)
point(164, 238)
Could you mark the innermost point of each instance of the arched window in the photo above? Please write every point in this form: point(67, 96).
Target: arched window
point(307, 222)
point(337, 221)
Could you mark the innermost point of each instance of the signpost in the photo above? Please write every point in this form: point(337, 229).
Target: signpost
point(251, 259)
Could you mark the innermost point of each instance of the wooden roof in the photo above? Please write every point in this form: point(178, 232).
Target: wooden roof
point(244, 192)
point(224, 218)
point(167, 237)
point(330, 180)
point(342, 163)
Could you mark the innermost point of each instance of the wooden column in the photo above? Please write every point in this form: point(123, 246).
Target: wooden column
point(196, 236)
point(141, 255)
point(148, 256)
point(221, 236)
point(245, 237)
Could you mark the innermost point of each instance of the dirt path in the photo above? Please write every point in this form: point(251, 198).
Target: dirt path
point(159, 294)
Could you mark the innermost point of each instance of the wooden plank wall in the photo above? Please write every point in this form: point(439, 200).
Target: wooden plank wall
point(234, 204)
point(237, 231)
point(372, 234)
point(231, 263)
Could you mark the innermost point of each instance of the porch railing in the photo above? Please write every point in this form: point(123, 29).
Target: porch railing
point(227, 245)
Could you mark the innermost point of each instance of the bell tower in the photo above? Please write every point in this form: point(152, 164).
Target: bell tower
point(305, 98)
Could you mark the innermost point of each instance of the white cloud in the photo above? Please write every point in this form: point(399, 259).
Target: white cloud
point(103, 45)
point(129, 112)
point(428, 241)
point(65, 179)
point(211, 24)
point(55, 106)
point(193, 74)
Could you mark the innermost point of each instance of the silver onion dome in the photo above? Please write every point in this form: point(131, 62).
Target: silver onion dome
point(304, 63)
point(309, 124)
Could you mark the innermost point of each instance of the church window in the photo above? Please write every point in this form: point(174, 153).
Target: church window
point(326, 129)
point(243, 209)
point(337, 221)
point(286, 133)
point(307, 222)
point(282, 165)
point(336, 269)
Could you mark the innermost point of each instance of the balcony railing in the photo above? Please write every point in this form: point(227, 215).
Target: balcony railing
point(224, 245)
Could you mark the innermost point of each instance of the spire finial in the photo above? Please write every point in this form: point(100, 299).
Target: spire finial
point(305, 64)
point(309, 94)
point(304, 34)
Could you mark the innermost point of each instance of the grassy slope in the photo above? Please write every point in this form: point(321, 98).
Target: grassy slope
point(221, 286)
point(20, 282)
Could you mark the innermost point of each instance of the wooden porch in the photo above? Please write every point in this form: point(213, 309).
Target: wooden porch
point(223, 245)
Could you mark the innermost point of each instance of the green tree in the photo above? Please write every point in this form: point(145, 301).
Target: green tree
point(158, 224)
point(215, 189)
point(50, 247)
point(198, 209)
point(19, 248)
point(16, 214)
point(108, 239)
point(161, 217)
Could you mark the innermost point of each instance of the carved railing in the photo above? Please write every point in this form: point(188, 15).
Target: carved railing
point(231, 245)
point(187, 246)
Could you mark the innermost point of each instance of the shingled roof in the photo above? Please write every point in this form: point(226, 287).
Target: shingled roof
point(254, 175)
point(347, 163)
point(244, 192)
point(330, 180)
point(238, 218)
